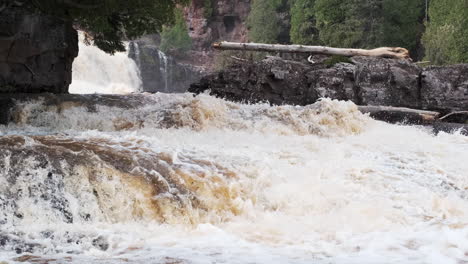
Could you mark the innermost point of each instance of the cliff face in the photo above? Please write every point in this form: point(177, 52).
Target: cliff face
point(207, 22)
point(226, 21)
point(160, 72)
point(36, 52)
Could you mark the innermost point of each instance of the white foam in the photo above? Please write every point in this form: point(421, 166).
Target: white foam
point(95, 71)
point(317, 184)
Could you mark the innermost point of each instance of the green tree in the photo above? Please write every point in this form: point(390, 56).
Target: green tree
point(265, 23)
point(403, 23)
point(175, 38)
point(446, 37)
point(342, 23)
point(303, 24)
point(109, 22)
point(370, 23)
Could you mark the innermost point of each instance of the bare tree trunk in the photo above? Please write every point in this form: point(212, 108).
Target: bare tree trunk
point(396, 53)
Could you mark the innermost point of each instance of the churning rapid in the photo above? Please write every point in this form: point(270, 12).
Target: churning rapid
point(173, 178)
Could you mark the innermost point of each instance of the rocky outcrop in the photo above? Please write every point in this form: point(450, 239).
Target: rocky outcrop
point(445, 87)
point(210, 21)
point(365, 81)
point(160, 72)
point(36, 52)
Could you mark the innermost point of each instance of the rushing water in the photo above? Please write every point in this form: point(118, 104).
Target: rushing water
point(173, 178)
point(94, 71)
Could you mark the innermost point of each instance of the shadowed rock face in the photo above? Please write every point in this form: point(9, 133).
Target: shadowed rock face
point(160, 72)
point(36, 52)
point(445, 87)
point(365, 81)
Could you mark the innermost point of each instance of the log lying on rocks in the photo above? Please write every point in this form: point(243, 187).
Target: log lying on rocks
point(400, 114)
point(416, 117)
point(385, 52)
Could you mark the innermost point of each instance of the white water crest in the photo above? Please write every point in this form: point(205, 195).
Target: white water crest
point(95, 71)
point(181, 179)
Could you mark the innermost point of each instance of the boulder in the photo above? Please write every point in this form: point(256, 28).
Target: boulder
point(388, 82)
point(36, 52)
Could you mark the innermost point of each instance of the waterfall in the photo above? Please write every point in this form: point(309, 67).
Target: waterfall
point(95, 71)
point(164, 69)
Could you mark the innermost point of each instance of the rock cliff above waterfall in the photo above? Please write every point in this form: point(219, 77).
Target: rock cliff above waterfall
point(365, 81)
point(160, 72)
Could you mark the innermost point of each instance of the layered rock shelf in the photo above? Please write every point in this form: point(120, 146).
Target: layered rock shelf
point(363, 80)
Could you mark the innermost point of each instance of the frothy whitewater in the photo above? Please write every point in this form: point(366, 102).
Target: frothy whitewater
point(181, 179)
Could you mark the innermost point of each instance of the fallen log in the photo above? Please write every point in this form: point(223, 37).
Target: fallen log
point(414, 117)
point(385, 52)
point(400, 114)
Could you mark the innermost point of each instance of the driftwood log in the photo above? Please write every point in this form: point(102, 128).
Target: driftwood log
point(400, 114)
point(385, 52)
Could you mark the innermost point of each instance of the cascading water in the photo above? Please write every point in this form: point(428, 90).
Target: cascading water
point(95, 71)
point(164, 69)
point(172, 178)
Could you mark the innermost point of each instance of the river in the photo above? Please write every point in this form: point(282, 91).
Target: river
point(173, 178)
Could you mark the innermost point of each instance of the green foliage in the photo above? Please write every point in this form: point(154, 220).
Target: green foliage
point(370, 23)
point(303, 24)
point(334, 59)
point(208, 8)
point(403, 25)
point(264, 22)
point(339, 23)
point(109, 22)
point(175, 38)
point(446, 37)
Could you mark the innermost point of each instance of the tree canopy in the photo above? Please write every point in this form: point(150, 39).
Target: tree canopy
point(175, 39)
point(268, 21)
point(109, 22)
point(446, 36)
point(303, 23)
point(337, 23)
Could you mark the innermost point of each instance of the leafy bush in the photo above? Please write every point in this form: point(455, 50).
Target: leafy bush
point(175, 38)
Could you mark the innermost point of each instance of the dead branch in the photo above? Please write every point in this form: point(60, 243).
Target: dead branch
point(385, 52)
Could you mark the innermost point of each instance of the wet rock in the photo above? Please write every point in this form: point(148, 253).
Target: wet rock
point(101, 243)
point(31, 61)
